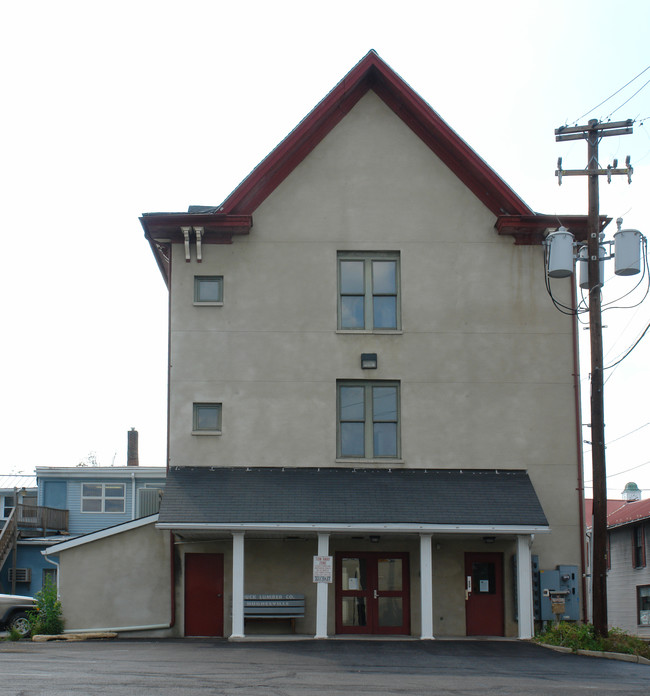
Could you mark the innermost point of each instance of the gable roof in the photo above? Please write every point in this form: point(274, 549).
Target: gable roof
point(372, 74)
point(620, 512)
point(230, 497)
point(234, 215)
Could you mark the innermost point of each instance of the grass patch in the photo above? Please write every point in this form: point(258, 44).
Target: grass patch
point(583, 637)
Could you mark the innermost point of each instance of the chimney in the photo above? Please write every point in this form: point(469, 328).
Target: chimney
point(132, 448)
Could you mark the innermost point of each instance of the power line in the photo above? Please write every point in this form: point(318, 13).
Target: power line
point(627, 100)
point(613, 95)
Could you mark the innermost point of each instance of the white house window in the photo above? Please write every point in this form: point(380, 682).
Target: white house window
point(102, 497)
point(208, 290)
point(7, 506)
point(368, 420)
point(369, 291)
point(206, 419)
point(638, 546)
point(643, 603)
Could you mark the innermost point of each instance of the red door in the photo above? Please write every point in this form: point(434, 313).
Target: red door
point(204, 594)
point(484, 594)
point(372, 593)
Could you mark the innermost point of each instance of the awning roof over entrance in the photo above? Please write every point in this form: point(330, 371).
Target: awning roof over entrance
point(235, 496)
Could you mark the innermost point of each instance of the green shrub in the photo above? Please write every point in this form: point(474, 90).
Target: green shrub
point(583, 637)
point(46, 618)
point(13, 634)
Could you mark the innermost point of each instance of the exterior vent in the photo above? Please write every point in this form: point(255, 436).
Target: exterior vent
point(149, 501)
point(22, 574)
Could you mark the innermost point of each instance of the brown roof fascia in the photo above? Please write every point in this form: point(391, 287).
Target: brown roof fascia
point(163, 229)
point(372, 73)
point(532, 229)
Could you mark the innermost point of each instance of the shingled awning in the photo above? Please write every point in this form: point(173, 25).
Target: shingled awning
point(435, 499)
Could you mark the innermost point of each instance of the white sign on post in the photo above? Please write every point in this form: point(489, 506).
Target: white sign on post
point(323, 569)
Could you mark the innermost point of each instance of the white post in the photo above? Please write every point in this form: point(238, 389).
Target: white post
point(426, 586)
point(524, 588)
point(237, 585)
point(322, 589)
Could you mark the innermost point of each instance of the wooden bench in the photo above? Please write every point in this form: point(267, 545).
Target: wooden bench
point(275, 606)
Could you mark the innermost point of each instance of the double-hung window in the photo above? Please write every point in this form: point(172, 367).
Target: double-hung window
point(638, 546)
point(368, 420)
point(643, 605)
point(102, 497)
point(369, 291)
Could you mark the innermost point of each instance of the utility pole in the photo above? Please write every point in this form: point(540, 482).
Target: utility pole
point(593, 132)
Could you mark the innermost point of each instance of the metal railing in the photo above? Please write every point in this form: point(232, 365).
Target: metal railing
point(7, 537)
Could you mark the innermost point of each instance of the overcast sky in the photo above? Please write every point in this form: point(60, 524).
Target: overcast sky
point(112, 109)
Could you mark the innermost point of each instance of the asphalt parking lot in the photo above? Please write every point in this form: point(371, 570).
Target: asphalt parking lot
point(332, 668)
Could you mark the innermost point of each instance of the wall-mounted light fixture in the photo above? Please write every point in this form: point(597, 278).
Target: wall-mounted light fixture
point(368, 361)
point(489, 539)
point(374, 538)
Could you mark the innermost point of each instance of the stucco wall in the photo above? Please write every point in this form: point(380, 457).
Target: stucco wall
point(484, 360)
point(121, 580)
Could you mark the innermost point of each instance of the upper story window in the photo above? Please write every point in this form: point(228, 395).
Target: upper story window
point(208, 290)
point(369, 291)
point(638, 546)
point(368, 420)
point(7, 506)
point(102, 497)
point(206, 419)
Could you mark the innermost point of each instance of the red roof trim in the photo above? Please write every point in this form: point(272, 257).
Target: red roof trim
point(531, 229)
point(371, 73)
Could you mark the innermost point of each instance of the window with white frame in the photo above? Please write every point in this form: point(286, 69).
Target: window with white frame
point(208, 290)
point(7, 505)
point(103, 497)
point(638, 546)
point(206, 419)
point(369, 298)
point(368, 420)
point(643, 605)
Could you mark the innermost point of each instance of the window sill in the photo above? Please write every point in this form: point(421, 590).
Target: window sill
point(369, 461)
point(371, 332)
point(208, 304)
point(206, 432)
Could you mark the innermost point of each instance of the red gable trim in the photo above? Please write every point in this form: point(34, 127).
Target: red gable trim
point(373, 74)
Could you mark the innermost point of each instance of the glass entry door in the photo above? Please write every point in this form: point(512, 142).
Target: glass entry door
point(372, 593)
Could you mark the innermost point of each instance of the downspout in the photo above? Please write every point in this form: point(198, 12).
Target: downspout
point(172, 583)
point(578, 412)
point(58, 572)
point(132, 495)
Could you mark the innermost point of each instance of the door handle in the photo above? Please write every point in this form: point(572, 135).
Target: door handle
point(375, 594)
point(468, 587)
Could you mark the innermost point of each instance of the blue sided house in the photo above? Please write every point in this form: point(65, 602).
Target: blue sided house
point(61, 503)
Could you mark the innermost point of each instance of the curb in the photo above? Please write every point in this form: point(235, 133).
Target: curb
point(622, 657)
point(73, 636)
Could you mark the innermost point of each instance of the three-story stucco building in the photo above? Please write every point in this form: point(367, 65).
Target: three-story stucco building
point(364, 367)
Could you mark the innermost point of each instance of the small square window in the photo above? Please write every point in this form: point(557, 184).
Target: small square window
point(208, 290)
point(207, 418)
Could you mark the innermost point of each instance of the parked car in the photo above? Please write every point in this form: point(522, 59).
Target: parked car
point(13, 612)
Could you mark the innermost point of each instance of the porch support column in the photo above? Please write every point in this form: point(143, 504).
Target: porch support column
point(524, 588)
point(237, 585)
point(426, 586)
point(322, 589)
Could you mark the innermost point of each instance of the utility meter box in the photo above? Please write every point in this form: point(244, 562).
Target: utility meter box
point(559, 594)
